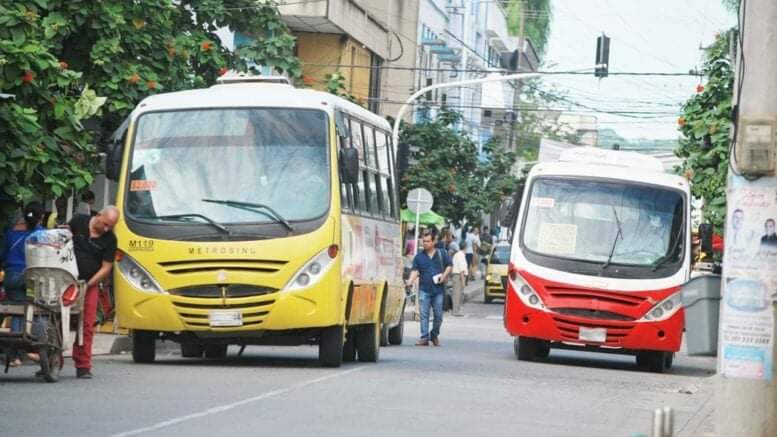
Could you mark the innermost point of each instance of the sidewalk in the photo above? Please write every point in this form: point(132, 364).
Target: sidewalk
point(473, 291)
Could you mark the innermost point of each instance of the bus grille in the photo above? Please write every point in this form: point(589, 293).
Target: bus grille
point(569, 327)
point(597, 303)
point(207, 265)
point(221, 291)
point(195, 312)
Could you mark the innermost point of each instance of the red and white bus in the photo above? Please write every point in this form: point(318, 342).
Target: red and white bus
point(600, 251)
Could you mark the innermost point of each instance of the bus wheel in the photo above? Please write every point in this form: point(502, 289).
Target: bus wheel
point(396, 333)
point(144, 346)
point(330, 346)
point(529, 349)
point(655, 361)
point(215, 351)
point(368, 343)
point(384, 333)
point(191, 350)
point(349, 348)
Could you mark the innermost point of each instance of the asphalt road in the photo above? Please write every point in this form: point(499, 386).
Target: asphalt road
point(471, 385)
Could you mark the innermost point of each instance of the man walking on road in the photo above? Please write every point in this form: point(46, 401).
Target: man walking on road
point(433, 266)
point(459, 277)
point(95, 249)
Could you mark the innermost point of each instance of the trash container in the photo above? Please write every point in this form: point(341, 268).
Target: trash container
point(701, 299)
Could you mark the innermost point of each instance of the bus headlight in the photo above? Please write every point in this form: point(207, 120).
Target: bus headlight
point(664, 309)
point(312, 271)
point(525, 292)
point(137, 275)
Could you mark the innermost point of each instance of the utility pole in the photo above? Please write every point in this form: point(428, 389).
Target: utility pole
point(516, 84)
point(746, 383)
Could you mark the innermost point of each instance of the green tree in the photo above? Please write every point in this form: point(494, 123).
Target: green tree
point(58, 56)
point(538, 16)
point(447, 164)
point(705, 126)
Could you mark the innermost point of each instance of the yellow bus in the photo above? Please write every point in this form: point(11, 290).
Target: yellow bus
point(255, 213)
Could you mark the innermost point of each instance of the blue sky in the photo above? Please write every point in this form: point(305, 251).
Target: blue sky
point(646, 36)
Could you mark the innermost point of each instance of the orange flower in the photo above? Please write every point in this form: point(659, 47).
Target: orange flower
point(133, 79)
point(28, 77)
point(206, 46)
point(151, 84)
point(681, 121)
point(699, 88)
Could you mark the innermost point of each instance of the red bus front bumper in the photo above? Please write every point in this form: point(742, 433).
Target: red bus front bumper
point(525, 321)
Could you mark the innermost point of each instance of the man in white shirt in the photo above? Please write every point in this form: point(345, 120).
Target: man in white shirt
point(472, 243)
point(459, 275)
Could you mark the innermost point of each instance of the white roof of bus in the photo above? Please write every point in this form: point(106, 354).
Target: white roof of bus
point(236, 95)
point(594, 162)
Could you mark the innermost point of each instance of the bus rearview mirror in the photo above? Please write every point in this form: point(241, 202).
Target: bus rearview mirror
point(349, 165)
point(705, 235)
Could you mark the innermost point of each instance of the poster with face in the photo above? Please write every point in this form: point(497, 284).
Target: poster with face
point(751, 238)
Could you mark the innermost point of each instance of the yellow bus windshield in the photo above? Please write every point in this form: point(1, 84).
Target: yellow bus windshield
point(217, 165)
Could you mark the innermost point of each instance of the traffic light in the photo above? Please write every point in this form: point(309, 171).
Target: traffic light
point(602, 56)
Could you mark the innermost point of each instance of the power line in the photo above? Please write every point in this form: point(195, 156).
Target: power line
point(502, 71)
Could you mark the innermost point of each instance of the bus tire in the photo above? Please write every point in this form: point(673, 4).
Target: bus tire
point(215, 351)
point(526, 349)
point(349, 348)
point(330, 346)
point(397, 333)
point(191, 350)
point(384, 330)
point(144, 346)
point(655, 361)
point(368, 343)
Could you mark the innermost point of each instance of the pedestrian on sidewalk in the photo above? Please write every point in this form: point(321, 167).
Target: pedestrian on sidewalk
point(459, 271)
point(95, 248)
point(432, 266)
point(472, 242)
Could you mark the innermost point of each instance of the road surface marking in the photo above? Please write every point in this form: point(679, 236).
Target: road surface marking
point(226, 407)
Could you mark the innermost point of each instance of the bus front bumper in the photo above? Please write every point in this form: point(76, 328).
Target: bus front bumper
point(524, 321)
point(320, 305)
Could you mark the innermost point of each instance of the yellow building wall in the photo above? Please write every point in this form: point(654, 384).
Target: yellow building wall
point(320, 52)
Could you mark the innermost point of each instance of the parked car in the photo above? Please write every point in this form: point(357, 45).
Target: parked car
point(496, 272)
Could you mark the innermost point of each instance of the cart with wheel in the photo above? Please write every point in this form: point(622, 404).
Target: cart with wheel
point(55, 302)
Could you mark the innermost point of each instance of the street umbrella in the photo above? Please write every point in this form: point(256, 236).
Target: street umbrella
point(427, 218)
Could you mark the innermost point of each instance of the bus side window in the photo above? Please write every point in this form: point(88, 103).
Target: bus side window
point(346, 193)
point(384, 167)
point(371, 171)
point(359, 189)
point(393, 183)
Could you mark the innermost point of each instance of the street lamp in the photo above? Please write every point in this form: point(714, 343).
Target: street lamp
point(422, 91)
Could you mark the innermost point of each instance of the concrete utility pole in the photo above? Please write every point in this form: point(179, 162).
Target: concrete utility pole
point(517, 84)
point(746, 386)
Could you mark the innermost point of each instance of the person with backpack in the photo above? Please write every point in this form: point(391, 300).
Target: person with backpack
point(432, 266)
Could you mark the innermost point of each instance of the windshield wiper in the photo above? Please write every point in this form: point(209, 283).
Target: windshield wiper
point(262, 209)
point(207, 219)
point(664, 258)
point(619, 234)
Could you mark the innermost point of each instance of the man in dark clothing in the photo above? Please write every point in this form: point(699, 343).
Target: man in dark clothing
point(433, 266)
point(95, 249)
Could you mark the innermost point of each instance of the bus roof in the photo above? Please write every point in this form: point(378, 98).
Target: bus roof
point(252, 95)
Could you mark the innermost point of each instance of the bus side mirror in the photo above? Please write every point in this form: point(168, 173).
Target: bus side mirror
point(705, 235)
point(349, 165)
point(403, 159)
point(114, 151)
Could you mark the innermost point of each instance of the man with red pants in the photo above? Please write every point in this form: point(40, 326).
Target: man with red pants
point(95, 249)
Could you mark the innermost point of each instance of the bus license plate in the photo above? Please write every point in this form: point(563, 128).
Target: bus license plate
point(225, 318)
point(593, 334)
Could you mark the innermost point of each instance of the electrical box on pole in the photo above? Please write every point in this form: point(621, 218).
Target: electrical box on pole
point(602, 56)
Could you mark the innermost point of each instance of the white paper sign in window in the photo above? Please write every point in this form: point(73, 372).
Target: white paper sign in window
point(557, 238)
